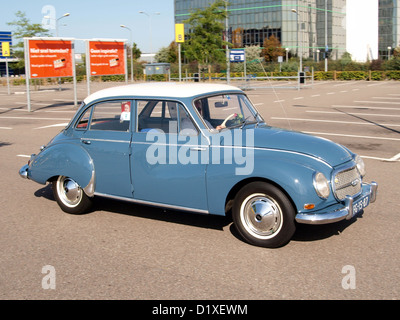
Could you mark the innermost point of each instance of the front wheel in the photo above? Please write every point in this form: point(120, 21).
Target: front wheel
point(70, 196)
point(263, 215)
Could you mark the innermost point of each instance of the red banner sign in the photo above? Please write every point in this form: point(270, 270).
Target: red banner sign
point(106, 58)
point(50, 58)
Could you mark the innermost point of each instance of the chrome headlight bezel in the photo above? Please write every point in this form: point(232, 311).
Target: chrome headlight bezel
point(321, 185)
point(360, 166)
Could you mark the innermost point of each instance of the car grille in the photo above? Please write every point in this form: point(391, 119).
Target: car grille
point(347, 183)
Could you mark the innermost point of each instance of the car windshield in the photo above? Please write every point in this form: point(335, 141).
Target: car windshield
point(227, 111)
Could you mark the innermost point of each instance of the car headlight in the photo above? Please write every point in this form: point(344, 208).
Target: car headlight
point(321, 185)
point(360, 165)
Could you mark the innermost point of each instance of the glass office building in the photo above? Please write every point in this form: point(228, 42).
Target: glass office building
point(298, 24)
point(389, 27)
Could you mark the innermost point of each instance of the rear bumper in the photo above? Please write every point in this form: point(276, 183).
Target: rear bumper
point(23, 172)
point(346, 212)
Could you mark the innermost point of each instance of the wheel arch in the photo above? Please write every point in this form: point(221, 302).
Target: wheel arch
point(235, 189)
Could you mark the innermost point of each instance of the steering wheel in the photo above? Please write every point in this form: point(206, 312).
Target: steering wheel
point(223, 124)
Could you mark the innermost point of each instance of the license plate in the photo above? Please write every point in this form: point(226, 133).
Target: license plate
point(360, 204)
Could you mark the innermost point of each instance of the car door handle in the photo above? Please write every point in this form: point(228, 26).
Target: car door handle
point(86, 141)
point(198, 149)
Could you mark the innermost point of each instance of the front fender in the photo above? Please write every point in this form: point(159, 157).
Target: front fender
point(290, 171)
point(64, 159)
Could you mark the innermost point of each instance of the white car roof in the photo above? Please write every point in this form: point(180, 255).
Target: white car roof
point(161, 89)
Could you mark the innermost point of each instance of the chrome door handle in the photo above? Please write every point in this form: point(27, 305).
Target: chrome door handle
point(198, 148)
point(86, 141)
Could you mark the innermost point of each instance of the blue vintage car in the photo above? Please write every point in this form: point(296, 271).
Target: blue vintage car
point(200, 148)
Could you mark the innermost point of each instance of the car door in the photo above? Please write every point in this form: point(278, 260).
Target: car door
point(106, 136)
point(167, 151)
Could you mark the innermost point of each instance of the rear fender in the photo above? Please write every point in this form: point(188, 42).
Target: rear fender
point(64, 159)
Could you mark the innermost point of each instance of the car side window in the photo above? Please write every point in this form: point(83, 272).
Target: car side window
point(164, 116)
point(83, 122)
point(111, 116)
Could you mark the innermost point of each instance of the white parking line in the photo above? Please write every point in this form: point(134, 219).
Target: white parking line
point(386, 98)
point(6, 128)
point(23, 155)
point(350, 135)
point(395, 158)
point(335, 121)
point(383, 102)
point(53, 125)
point(355, 113)
point(381, 159)
point(364, 107)
point(33, 118)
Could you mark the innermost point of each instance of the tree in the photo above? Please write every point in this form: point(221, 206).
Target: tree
point(168, 54)
point(24, 29)
point(272, 49)
point(135, 51)
point(205, 43)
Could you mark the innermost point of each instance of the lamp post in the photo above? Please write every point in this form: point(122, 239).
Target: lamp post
point(389, 50)
point(63, 16)
point(151, 40)
point(300, 53)
point(130, 39)
point(326, 35)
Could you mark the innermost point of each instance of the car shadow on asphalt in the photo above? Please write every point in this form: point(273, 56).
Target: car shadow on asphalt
point(148, 212)
point(304, 232)
point(308, 233)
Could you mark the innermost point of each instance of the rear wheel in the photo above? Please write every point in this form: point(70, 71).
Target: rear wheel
point(263, 215)
point(70, 196)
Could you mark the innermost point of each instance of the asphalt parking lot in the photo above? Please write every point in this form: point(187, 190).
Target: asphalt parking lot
point(127, 251)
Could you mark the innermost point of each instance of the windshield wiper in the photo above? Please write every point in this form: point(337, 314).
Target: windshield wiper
point(246, 121)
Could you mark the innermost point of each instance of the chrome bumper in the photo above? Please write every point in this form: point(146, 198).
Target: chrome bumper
point(23, 172)
point(334, 215)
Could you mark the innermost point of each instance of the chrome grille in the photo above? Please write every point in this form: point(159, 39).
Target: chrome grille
point(347, 183)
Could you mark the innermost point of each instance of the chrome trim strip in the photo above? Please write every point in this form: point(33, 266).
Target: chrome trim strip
point(240, 147)
point(105, 140)
point(150, 203)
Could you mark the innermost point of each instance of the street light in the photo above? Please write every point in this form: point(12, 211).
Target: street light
point(63, 16)
point(130, 39)
point(298, 44)
point(151, 41)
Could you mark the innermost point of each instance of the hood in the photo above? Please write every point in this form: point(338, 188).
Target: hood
point(281, 139)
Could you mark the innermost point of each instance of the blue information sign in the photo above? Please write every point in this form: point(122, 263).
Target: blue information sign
point(5, 36)
point(237, 55)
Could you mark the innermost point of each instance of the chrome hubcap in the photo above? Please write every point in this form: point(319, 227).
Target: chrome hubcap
point(261, 216)
point(69, 191)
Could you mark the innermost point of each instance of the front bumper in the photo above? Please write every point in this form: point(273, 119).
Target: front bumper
point(329, 215)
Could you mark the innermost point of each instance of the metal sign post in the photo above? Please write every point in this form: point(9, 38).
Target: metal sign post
point(5, 49)
point(179, 38)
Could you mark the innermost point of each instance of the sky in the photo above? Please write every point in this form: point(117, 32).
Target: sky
point(90, 19)
point(102, 19)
